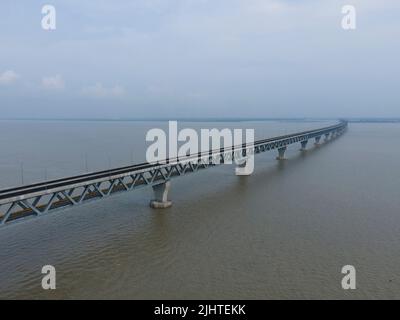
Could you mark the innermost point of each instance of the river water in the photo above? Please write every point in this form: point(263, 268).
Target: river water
point(284, 232)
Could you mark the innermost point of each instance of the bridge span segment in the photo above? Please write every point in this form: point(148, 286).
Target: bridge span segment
point(38, 199)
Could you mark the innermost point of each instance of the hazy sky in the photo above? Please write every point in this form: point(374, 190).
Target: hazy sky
point(199, 58)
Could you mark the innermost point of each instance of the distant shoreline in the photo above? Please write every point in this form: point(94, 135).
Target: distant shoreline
point(351, 120)
point(169, 119)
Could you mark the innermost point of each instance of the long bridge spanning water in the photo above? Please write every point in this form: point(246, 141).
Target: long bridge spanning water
point(34, 200)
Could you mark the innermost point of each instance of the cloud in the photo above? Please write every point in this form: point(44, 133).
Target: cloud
point(8, 77)
point(99, 91)
point(268, 58)
point(53, 83)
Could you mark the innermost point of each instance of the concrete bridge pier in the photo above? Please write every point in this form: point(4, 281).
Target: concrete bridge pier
point(326, 137)
point(303, 145)
point(281, 153)
point(317, 140)
point(244, 168)
point(160, 200)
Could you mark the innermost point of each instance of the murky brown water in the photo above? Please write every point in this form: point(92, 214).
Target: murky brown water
point(284, 232)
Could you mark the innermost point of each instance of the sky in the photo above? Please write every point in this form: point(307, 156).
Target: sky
point(199, 58)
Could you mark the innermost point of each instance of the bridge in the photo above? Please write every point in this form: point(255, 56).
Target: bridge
point(38, 199)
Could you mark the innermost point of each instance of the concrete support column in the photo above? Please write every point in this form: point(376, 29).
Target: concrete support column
point(245, 167)
point(281, 153)
point(317, 139)
point(326, 136)
point(160, 200)
point(303, 145)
